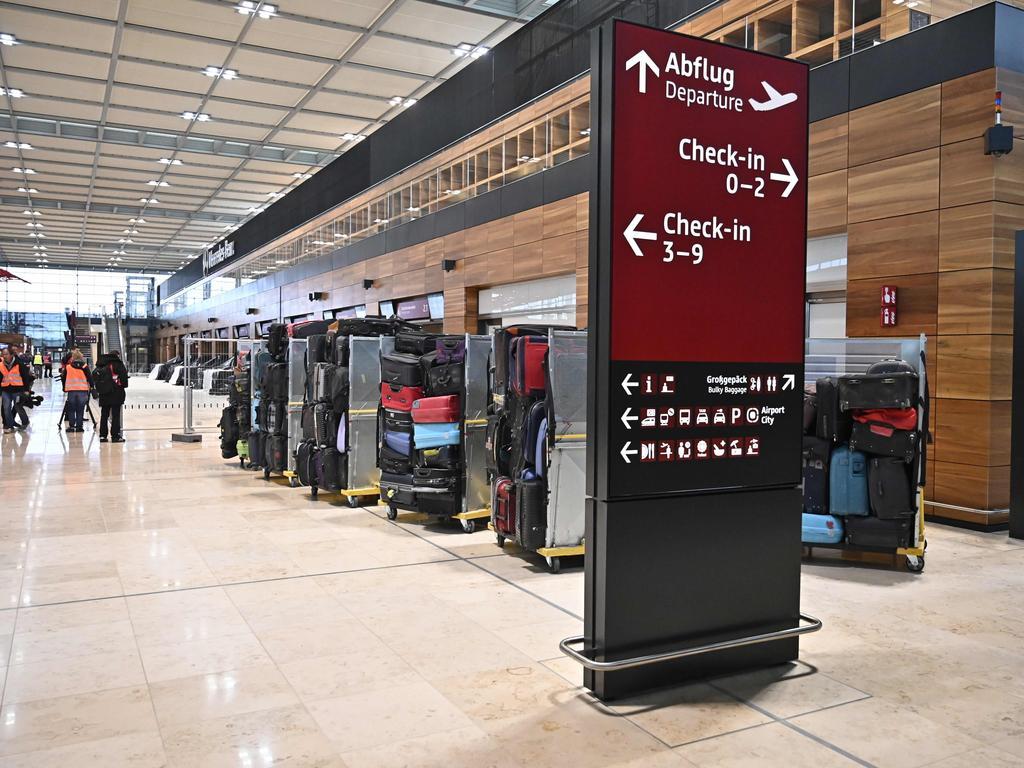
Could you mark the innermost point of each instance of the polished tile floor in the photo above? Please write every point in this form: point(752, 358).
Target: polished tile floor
point(162, 607)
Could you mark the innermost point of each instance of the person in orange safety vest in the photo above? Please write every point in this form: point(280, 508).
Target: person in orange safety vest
point(77, 381)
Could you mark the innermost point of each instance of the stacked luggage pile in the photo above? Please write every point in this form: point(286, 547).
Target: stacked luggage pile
point(863, 458)
point(236, 418)
point(268, 441)
point(420, 451)
point(322, 456)
point(519, 428)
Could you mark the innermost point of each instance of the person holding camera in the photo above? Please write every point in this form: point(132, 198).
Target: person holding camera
point(15, 378)
point(110, 380)
point(77, 381)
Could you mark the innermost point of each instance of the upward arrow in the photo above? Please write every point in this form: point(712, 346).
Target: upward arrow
point(646, 63)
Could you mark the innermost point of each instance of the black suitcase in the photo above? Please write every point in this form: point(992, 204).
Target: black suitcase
point(442, 504)
point(393, 462)
point(257, 448)
point(277, 339)
point(889, 488)
point(397, 421)
point(401, 370)
point(815, 473)
point(339, 354)
point(881, 439)
point(832, 423)
point(810, 413)
point(228, 433)
point(443, 479)
point(243, 415)
point(309, 328)
point(308, 424)
point(445, 457)
point(305, 468)
point(397, 490)
point(878, 533)
point(531, 514)
point(892, 365)
point(445, 379)
point(415, 342)
point(878, 390)
point(333, 470)
point(316, 350)
point(275, 382)
point(276, 453)
point(277, 421)
point(325, 425)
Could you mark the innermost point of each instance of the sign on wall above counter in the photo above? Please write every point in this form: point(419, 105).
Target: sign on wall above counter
point(220, 253)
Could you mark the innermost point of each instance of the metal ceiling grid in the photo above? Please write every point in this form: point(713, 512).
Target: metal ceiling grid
point(94, 94)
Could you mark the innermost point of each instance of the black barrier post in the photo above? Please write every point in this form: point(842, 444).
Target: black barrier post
point(697, 269)
point(1017, 424)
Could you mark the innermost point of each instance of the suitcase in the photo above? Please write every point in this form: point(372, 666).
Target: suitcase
point(450, 350)
point(889, 488)
point(878, 533)
point(277, 339)
point(445, 379)
point(276, 453)
point(338, 389)
point(308, 424)
point(531, 428)
point(878, 390)
point(443, 504)
point(821, 529)
point(307, 328)
point(333, 470)
point(316, 350)
point(321, 379)
point(277, 423)
point(395, 397)
point(504, 506)
point(435, 435)
point(810, 413)
point(339, 354)
point(526, 364)
point(892, 365)
point(228, 433)
point(398, 421)
point(304, 466)
point(815, 474)
point(242, 446)
point(243, 414)
point(393, 462)
point(498, 444)
point(503, 340)
point(257, 448)
point(444, 457)
point(274, 385)
point(412, 342)
point(898, 418)
point(442, 479)
point(325, 425)
point(532, 513)
point(399, 442)
point(397, 490)
point(401, 370)
point(833, 424)
point(880, 439)
point(434, 410)
point(540, 455)
point(341, 436)
point(259, 366)
point(848, 483)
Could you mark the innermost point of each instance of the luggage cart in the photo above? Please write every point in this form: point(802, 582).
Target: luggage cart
point(838, 357)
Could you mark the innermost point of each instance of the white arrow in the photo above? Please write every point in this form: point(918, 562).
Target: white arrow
point(626, 453)
point(646, 63)
point(632, 235)
point(788, 381)
point(626, 418)
point(628, 382)
point(789, 176)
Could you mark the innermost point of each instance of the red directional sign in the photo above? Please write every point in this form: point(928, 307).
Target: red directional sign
point(700, 263)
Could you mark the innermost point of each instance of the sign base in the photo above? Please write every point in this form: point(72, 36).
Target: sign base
point(182, 437)
point(669, 573)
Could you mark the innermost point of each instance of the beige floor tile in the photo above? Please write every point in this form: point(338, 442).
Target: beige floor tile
point(1012, 744)
point(324, 636)
point(681, 715)
point(505, 693)
point(362, 669)
point(986, 757)
point(221, 694)
point(885, 734)
point(540, 641)
point(283, 738)
point(193, 614)
point(462, 747)
point(59, 722)
point(202, 656)
point(41, 646)
point(52, 617)
point(766, 745)
point(381, 717)
point(73, 674)
point(142, 750)
point(789, 690)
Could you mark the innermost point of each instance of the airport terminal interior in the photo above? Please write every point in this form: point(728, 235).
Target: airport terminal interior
point(512, 383)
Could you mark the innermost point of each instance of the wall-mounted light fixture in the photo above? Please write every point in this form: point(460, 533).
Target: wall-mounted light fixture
point(211, 319)
point(367, 283)
point(251, 311)
point(448, 265)
point(316, 296)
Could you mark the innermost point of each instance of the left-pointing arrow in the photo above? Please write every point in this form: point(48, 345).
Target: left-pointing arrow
point(632, 234)
point(626, 418)
point(646, 63)
point(626, 452)
point(789, 177)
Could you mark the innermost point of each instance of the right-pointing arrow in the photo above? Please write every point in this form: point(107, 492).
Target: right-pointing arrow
point(626, 452)
point(626, 418)
point(628, 384)
point(632, 234)
point(789, 176)
point(646, 63)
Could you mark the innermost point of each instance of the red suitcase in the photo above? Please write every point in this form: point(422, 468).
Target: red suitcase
point(444, 409)
point(527, 365)
point(505, 508)
point(399, 398)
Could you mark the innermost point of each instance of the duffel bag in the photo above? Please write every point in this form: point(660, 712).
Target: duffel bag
point(414, 342)
point(881, 439)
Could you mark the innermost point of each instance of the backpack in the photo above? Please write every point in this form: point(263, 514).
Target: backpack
point(103, 380)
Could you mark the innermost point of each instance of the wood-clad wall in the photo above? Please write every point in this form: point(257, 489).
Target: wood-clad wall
point(927, 211)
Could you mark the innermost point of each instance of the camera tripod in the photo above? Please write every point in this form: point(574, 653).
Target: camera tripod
point(64, 414)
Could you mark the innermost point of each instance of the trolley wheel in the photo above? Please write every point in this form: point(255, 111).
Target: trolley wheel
point(392, 512)
point(915, 563)
point(293, 482)
point(266, 473)
point(353, 501)
point(468, 525)
point(501, 540)
point(554, 564)
point(314, 492)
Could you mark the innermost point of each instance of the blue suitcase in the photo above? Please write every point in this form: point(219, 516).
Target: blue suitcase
point(821, 529)
point(848, 483)
point(435, 435)
point(400, 442)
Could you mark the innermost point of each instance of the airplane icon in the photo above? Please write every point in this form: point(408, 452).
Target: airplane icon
point(774, 101)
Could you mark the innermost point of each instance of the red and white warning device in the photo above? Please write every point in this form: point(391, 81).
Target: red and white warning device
point(698, 262)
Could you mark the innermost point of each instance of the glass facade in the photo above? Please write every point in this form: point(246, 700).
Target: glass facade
point(89, 293)
point(44, 329)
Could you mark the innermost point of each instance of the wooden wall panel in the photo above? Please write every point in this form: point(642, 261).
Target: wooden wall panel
point(895, 187)
point(967, 174)
point(918, 300)
point(559, 218)
point(976, 301)
point(826, 211)
point(972, 432)
point(974, 367)
point(1012, 85)
point(970, 485)
point(894, 127)
point(828, 145)
point(528, 226)
point(1009, 172)
point(967, 106)
point(582, 288)
point(902, 245)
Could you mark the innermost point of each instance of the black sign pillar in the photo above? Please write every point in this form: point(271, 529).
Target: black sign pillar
point(1017, 425)
point(697, 271)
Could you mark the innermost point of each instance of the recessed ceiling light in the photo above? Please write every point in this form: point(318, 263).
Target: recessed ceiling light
point(26, 171)
point(399, 101)
point(255, 209)
point(169, 161)
point(200, 117)
point(248, 8)
point(136, 221)
point(354, 137)
point(8, 39)
point(275, 194)
point(467, 49)
point(14, 93)
point(29, 190)
point(33, 224)
point(17, 145)
point(36, 234)
point(224, 74)
point(302, 175)
point(320, 242)
point(31, 213)
point(149, 200)
point(156, 183)
point(125, 240)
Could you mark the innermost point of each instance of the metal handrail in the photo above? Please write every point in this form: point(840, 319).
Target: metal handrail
point(813, 625)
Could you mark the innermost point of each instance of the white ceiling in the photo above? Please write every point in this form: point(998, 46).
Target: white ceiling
point(105, 83)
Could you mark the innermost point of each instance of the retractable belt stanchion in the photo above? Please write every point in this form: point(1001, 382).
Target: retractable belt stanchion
point(697, 268)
